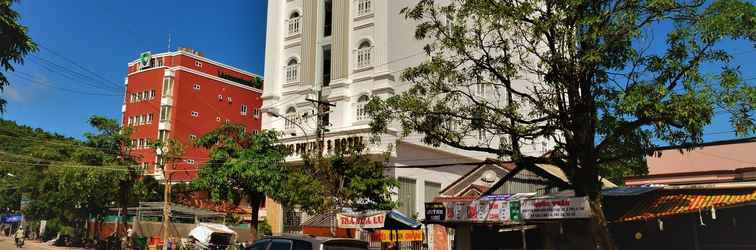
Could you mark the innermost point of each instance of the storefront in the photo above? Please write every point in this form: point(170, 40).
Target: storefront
point(683, 218)
point(519, 221)
point(382, 229)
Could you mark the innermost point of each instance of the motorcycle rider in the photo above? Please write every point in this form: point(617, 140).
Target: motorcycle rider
point(19, 236)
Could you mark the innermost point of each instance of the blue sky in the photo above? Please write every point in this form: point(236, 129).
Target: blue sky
point(103, 36)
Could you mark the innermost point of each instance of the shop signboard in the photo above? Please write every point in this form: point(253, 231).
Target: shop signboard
point(397, 235)
point(361, 220)
point(555, 208)
point(483, 211)
point(435, 212)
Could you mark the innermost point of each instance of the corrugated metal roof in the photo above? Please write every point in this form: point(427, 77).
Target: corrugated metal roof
point(668, 204)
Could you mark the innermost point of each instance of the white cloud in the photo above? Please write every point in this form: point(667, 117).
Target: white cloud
point(13, 94)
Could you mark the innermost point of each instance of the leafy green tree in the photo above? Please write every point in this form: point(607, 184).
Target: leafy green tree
point(243, 165)
point(113, 147)
point(16, 43)
point(575, 74)
point(347, 179)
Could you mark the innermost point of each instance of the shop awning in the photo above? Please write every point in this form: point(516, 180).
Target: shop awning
point(676, 202)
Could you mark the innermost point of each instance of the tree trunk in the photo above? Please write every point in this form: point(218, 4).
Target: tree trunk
point(599, 227)
point(254, 202)
point(125, 189)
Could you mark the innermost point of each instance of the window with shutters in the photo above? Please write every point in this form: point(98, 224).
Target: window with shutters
point(167, 86)
point(165, 113)
point(292, 70)
point(361, 113)
point(291, 118)
point(407, 196)
point(364, 7)
point(432, 190)
point(243, 109)
point(293, 24)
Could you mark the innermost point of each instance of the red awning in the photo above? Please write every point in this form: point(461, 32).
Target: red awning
point(676, 202)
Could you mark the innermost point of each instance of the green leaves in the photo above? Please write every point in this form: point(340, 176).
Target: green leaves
point(16, 43)
point(242, 163)
point(579, 75)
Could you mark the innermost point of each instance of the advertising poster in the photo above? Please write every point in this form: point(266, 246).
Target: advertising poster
point(556, 208)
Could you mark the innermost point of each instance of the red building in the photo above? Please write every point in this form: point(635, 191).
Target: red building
point(183, 95)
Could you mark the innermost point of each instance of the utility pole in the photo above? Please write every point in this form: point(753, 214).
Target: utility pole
point(169, 150)
point(323, 108)
point(166, 208)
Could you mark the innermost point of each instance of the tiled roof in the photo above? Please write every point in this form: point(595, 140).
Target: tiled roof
point(668, 204)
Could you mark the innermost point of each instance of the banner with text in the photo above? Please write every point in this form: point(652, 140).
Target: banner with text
point(396, 235)
point(483, 211)
point(556, 208)
point(361, 221)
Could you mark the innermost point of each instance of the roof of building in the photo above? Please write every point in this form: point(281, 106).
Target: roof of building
point(712, 143)
point(671, 202)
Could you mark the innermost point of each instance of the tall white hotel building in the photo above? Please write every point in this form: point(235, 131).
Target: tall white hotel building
point(352, 50)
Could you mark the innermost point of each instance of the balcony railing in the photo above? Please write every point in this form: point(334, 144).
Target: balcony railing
point(293, 26)
point(364, 7)
point(364, 58)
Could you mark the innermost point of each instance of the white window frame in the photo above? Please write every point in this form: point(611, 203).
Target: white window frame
point(364, 7)
point(167, 86)
point(360, 112)
point(294, 26)
point(244, 109)
point(192, 137)
point(149, 118)
point(218, 119)
point(229, 99)
point(198, 64)
point(196, 86)
point(152, 94)
point(364, 57)
point(256, 112)
point(195, 114)
point(165, 113)
point(220, 98)
point(292, 72)
point(291, 119)
point(190, 161)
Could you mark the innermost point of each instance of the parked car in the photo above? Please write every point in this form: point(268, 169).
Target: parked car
point(304, 242)
point(212, 236)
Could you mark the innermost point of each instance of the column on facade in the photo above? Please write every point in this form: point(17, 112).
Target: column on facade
point(340, 51)
point(309, 41)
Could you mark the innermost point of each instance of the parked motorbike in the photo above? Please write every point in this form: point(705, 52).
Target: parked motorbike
point(20, 243)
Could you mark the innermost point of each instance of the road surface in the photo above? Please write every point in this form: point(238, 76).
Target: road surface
point(9, 244)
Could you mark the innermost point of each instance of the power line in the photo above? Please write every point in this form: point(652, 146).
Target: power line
point(43, 84)
point(78, 65)
point(72, 74)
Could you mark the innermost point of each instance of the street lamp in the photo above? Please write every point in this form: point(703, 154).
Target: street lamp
point(11, 175)
point(274, 114)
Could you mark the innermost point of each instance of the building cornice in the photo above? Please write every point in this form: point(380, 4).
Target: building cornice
point(182, 68)
point(196, 57)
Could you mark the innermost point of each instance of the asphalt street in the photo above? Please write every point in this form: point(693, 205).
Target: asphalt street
point(8, 243)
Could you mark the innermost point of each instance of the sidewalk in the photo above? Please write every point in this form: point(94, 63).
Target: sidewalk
point(34, 244)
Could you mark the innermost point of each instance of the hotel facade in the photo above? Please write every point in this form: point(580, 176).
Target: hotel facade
point(350, 51)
